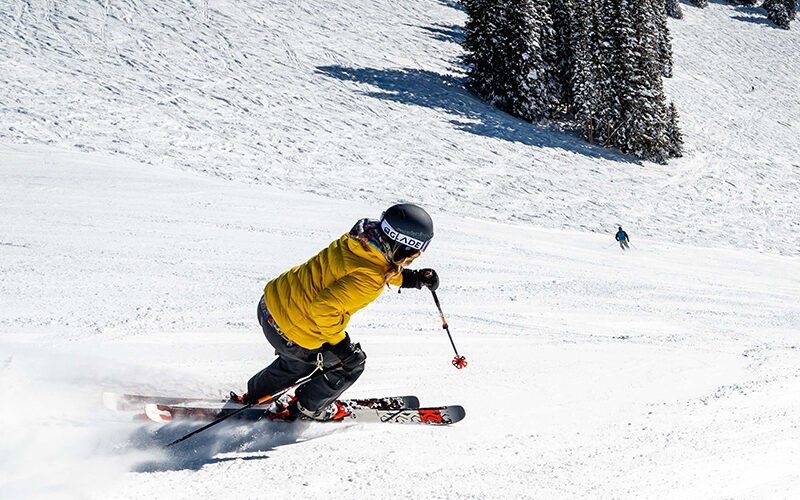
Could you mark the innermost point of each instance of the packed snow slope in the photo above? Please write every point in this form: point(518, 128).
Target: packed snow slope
point(366, 98)
point(668, 371)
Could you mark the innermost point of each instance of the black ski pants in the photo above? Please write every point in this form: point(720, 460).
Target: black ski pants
point(295, 362)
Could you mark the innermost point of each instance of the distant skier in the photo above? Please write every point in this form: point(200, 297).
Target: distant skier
point(304, 311)
point(622, 237)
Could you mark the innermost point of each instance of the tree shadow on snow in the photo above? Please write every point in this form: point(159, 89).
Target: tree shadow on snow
point(757, 20)
point(453, 4)
point(751, 13)
point(470, 114)
point(203, 449)
point(443, 32)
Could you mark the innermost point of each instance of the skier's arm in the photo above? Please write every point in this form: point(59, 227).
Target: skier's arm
point(329, 309)
point(397, 280)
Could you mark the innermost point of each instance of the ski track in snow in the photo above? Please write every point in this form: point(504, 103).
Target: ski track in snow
point(670, 371)
point(326, 98)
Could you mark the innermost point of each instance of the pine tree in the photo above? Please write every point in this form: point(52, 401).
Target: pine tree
point(674, 134)
point(673, 8)
point(699, 3)
point(603, 60)
point(610, 68)
point(639, 116)
point(562, 14)
point(664, 40)
point(511, 53)
point(589, 76)
point(781, 12)
point(551, 83)
point(791, 8)
point(480, 43)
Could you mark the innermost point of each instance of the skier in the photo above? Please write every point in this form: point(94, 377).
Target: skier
point(622, 237)
point(304, 311)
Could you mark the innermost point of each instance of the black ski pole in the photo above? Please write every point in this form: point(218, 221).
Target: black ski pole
point(459, 361)
point(250, 405)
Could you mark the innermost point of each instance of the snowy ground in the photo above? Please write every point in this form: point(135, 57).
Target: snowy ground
point(672, 371)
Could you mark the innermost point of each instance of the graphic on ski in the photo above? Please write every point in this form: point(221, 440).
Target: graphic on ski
point(442, 415)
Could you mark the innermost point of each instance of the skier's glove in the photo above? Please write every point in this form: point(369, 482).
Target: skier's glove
point(348, 353)
point(248, 399)
point(244, 399)
point(417, 279)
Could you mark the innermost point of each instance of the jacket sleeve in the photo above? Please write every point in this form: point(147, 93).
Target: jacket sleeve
point(329, 309)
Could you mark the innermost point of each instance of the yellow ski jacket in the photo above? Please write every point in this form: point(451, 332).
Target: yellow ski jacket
point(312, 303)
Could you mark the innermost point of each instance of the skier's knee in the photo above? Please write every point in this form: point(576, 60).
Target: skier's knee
point(355, 359)
point(356, 371)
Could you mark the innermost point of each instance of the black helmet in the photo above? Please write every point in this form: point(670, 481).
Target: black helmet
point(408, 228)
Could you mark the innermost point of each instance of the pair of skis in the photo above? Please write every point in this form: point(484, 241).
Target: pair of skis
point(395, 409)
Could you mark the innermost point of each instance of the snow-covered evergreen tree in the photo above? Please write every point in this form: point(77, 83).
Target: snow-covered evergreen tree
point(549, 49)
point(674, 134)
point(781, 12)
point(510, 47)
point(673, 8)
point(699, 3)
point(607, 114)
point(589, 77)
point(562, 14)
point(639, 115)
point(603, 60)
point(664, 40)
point(480, 44)
point(791, 8)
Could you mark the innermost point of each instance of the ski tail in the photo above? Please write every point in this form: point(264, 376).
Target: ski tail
point(132, 402)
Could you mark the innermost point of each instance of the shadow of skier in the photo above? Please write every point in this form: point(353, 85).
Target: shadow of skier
point(252, 438)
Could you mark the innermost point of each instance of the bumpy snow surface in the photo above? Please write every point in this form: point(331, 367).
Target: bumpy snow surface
point(160, 161)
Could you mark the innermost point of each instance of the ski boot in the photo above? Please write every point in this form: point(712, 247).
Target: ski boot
point(285, 408)
point(334, 411)
point(235, 398)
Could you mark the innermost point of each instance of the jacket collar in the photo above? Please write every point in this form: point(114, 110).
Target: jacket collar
point(369, 231)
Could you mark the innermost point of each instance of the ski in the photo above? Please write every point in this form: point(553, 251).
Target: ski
point(441, 415)
point(135, 402)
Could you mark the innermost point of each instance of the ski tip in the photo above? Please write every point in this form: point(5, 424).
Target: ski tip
point(156, 414)
point(444, 415)
point(457, 413)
